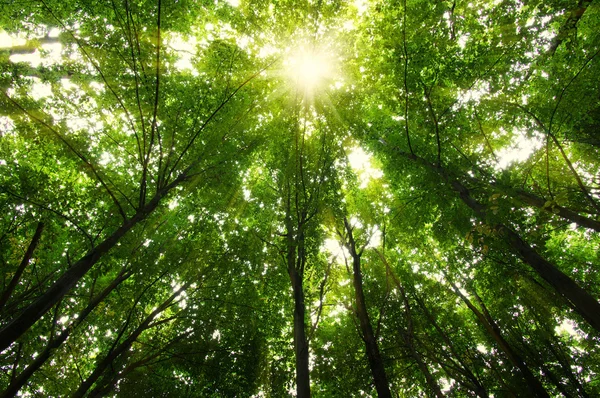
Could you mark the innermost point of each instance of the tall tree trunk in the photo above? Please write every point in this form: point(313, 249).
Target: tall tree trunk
point(300, 341)
point(295, 264)
point(534, 385)
point(114, 353)
point(30, 315)
point(372, 348)
point(408, 333)
point(54, 344)
point(583, 302)
point(457, 360)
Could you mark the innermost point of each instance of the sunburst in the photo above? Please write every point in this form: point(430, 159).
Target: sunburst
point(310, 69)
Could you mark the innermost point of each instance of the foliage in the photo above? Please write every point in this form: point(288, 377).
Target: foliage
point(182, 215)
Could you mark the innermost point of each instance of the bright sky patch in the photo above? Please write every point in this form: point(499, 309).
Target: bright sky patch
point(309, 68)
point(361, 164)
point(521, 148)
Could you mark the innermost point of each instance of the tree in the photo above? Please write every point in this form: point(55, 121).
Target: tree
point(372, 348)
point(181, 181)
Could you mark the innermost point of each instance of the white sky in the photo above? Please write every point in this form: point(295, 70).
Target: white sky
point(521, 148)
point(360, 162)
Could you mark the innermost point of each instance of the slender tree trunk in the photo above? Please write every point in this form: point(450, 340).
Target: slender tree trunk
point(458, 361)
point(54, 344)
point(300, 341)
point(568, 214)
point(295, 265)
point(126, 344)
point(583, 302)
point(26, 258)
point(73, 275)
point(372, 348)
point(534, 385)
point(408, 333)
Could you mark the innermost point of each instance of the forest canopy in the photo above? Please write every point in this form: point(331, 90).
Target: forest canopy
point(300, 198)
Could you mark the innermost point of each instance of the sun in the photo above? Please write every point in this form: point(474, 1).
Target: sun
point(309, 69)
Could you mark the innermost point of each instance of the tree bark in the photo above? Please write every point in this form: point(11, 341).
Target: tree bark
point(126, 344)
point(534, 385)
point(372, 348)
point(570, 25)
point(30, 315)
point(295, 258)
point(54, 344)
point(583, 302)
point(300, 341)
point(26, 258)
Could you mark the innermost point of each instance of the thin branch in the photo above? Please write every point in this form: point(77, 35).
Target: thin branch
point(487, 141)
point(321, 295)
point(154, 127)
point(97, 67)
point(405, 49)
point(72, 149)
point(436, 124)
point(214, 113)
point(26, 258)
point(129, 22)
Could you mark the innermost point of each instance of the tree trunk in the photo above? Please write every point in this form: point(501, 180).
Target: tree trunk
point(300, 341)
point(295, 265)
point(534, 385)
point(408, 332)
point(373, 354)
point(54, 344)
point(583, 302)
point(26, 258)
point(30, 315)
point(125, 345)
